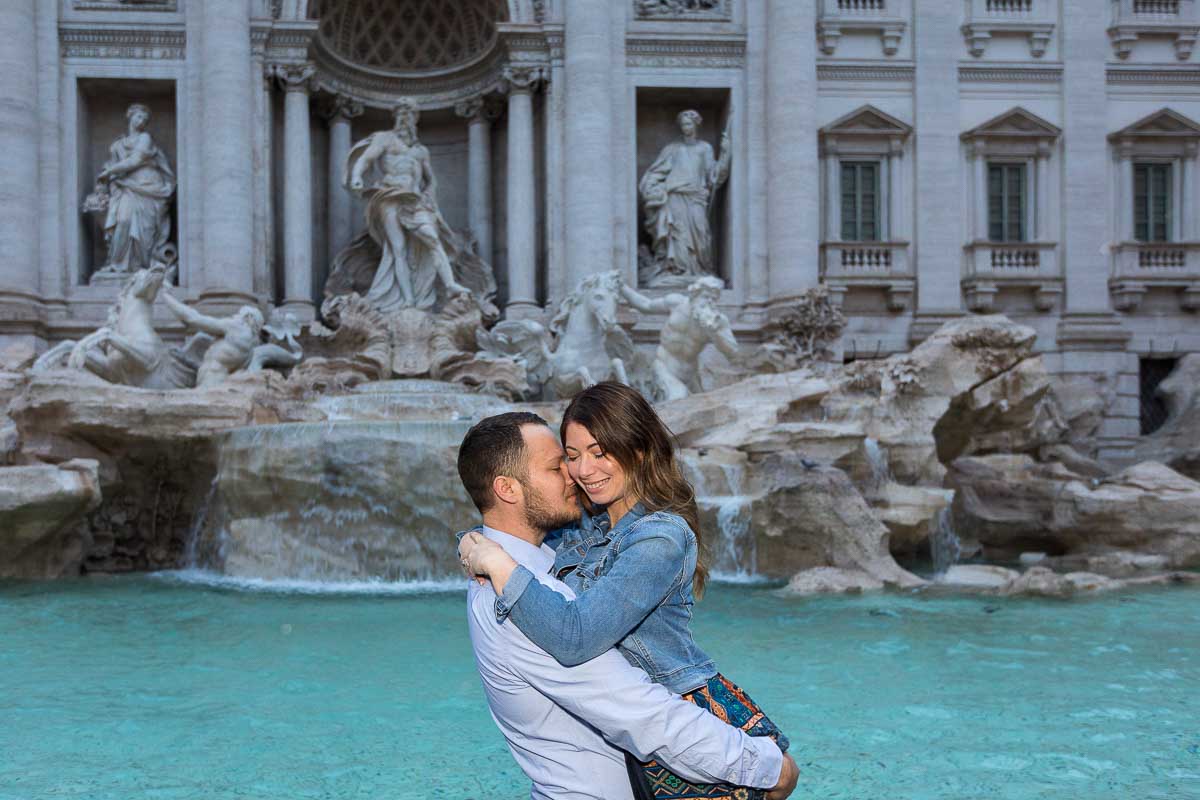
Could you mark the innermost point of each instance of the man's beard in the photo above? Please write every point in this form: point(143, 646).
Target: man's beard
point(540, 516)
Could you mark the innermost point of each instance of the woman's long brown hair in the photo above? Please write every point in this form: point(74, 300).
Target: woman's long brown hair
point(627, 429)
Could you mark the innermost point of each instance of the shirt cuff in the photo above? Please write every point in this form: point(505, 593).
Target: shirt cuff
point(762, 763)
point(518, 582)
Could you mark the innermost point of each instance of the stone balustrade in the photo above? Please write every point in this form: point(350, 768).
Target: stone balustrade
point(886, 17)
point(1139, 266)
point(883, 265)
point(991, 266)
point(1132, 19)
point(987, 19)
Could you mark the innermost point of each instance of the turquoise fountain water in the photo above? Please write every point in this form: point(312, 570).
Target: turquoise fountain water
point(171, 687)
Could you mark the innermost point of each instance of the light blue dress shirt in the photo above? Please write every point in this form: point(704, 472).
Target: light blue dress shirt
point(564, 724)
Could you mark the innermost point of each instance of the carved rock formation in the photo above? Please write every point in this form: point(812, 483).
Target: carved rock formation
point(42, 510)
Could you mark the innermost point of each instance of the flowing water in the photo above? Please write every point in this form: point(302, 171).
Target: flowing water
point(195, 686)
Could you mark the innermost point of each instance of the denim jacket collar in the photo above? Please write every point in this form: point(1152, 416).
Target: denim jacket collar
point(595, 527)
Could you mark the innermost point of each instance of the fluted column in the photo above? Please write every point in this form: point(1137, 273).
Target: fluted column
point(228, 159)
point(792, 210)
point(519, 195)
point(340, 114)
point(19, 282)
point(297, 82)
point(479, 173)
point(590, 104)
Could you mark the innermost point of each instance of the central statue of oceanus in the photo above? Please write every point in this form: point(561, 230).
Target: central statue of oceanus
point(408, 257)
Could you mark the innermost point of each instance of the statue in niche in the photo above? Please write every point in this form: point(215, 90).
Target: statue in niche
point(677, 197)
point(231, 344)
point(408, 257)
point(693, 322)
point(134, 191)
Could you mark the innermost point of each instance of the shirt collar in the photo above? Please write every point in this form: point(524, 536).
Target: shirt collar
point(537, 559)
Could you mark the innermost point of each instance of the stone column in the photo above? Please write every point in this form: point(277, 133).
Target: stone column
point(588, 136)
point(1042, 209)
point(339, 114)
point(939, 236)
point(519, 197)
point(479, 173)
point(1187, 231)
point(227, 169)
point(980, 195)
point(890, 213)
point(19, 138)
point(297, 82)
point(833, 194)
point(793, 213)
point(1125, 200)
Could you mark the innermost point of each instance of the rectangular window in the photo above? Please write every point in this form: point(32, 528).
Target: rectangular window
point(1006, 202)
point(1152, 202)
point(860, 201)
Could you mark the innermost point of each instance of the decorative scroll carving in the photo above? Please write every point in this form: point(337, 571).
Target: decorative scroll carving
point(682, 9)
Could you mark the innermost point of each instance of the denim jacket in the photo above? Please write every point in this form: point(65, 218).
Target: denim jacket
point(633, 588)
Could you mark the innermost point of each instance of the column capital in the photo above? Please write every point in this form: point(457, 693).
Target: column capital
point(523, 79)
point(341, 107)
point(294, 77)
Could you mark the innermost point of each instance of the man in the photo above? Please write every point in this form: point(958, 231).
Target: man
point(693, 322)
point(564, 724)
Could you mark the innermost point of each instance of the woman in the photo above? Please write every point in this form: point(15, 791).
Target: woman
point(140, 184)
point(634, 565)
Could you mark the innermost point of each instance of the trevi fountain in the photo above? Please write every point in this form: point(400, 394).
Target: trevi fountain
point(245, 323)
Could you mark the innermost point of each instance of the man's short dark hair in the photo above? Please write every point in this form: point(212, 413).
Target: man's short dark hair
point(493, 447)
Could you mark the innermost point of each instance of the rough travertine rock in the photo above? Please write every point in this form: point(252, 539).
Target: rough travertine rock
point(42, 509)
point(978, 576)
point(831, 580)
point(1013, 504)
point(908, 511)
point(1177, 442)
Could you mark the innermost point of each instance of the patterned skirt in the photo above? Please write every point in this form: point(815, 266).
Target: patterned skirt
point(720, 696)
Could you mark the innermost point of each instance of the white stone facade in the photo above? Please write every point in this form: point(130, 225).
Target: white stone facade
point(1068, 126)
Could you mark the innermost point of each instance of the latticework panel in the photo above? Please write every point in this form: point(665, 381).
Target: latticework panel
point(410, 35)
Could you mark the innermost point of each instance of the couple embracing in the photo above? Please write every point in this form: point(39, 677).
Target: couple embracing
point(584, 648)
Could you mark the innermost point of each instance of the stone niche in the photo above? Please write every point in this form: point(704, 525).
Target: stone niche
point(657, 109)
point(446, 137)
point(101, 121)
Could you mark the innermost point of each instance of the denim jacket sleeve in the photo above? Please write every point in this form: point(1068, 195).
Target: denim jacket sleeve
point(574, 631)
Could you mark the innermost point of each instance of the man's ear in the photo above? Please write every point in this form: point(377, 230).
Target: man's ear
point(506, 489)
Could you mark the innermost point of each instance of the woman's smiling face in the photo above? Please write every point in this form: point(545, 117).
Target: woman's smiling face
point(599, 475)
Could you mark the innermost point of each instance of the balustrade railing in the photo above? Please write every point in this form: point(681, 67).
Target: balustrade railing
point(1017, 259)
point(1157, 8)
point(861, 6)
point(1009, 8)
point(1162, 258)
point(866, 258)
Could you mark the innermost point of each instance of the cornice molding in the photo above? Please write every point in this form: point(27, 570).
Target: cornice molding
point(1009, 74)
point(169, 44)
point(644, 50)
point(866, 73)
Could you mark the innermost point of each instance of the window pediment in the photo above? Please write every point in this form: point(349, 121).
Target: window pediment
point(1014, 124)
point(867, 121)
point(1162, 124)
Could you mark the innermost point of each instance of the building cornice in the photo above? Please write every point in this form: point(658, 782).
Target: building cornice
point(119, 42)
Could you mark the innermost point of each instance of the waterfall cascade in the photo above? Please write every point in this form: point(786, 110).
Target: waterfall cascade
point(371, 494)
point(944, 544)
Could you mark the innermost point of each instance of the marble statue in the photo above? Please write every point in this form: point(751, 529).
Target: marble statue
point(134, 192)
point(677, 198)
point(677, 8)
point(803, 335)
point(415, 259)
point(693, 322)
point(231, 344)
point(126, 349)
point(584, 345)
